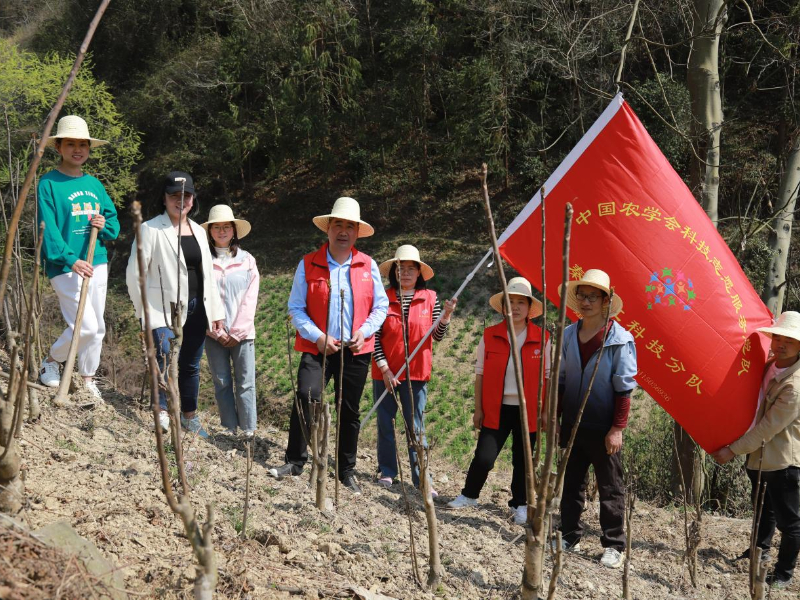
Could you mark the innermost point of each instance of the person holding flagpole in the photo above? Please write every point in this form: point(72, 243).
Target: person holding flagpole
point(773, 446)
point(599, 437)
point(412, 304)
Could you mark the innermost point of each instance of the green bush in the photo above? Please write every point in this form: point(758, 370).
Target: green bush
point(29, 87)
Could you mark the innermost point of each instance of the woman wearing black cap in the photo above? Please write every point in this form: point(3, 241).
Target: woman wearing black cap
point(169, 240)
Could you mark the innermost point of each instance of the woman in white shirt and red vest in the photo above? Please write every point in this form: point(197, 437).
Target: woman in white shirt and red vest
point(497, 396)
point(418, 308)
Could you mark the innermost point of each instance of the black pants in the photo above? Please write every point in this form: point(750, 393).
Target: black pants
point(781, 509)
point(309, 381)
point(490, 442)
point(590, 449)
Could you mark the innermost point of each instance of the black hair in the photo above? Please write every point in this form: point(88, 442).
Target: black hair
point(421, 284)
point(233, 247)
point(160, 203)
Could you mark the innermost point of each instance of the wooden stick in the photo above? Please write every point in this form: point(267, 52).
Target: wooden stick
point(60, 399)
point(540, 416)
point(37, 157)
point(247, 489)
point(339, 391)
point(30, 384)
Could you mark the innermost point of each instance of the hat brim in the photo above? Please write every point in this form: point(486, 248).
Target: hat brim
point(364, 228)
point(784, 331)
point(242, 227)
point(496, 302)
point(424, 269)
point(572, 297)
point(93, 143)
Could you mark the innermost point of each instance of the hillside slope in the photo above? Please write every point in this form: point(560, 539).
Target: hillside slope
point(98, 470)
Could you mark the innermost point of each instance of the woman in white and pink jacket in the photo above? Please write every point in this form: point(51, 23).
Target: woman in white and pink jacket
point(231, 351)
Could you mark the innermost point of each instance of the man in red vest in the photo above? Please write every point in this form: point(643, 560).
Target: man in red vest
point(316, 307)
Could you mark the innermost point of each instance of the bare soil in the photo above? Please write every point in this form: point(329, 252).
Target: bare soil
point(99, 470)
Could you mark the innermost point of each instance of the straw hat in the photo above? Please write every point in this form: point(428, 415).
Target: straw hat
point(787, 325)
point(75, 128)
point(222, 213)
point(521, 287)
point(406, 252)
point(349, 210)
point(595, 278)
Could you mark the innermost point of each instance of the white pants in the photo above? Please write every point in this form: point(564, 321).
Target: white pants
point(68, 289)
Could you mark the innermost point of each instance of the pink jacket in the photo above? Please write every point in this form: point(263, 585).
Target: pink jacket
point(237, 279)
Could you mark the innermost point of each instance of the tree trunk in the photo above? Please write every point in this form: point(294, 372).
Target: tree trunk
point(689, 473)
point(709, 18)
point(781, 236)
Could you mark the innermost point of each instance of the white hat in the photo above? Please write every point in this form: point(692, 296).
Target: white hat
point(75, 128)
point(222, 213)
point(349, 210)
point(597, 279)
point(787, 325)
point(521, 287)
point(406, 252)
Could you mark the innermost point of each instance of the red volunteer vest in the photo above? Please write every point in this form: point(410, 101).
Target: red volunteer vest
point(497, 350)
point(420, 319)
point(317, 276)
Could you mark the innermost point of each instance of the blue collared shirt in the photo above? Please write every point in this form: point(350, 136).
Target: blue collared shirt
point(340, 280)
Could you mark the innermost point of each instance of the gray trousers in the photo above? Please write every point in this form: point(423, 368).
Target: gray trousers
point(234, 373)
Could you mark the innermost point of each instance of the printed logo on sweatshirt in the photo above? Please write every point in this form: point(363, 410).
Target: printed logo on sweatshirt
point(84, 209)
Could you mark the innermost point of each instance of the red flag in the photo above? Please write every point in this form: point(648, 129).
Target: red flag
point(687, 302)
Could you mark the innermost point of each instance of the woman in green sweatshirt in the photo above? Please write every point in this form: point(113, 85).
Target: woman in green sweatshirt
point(70, 204)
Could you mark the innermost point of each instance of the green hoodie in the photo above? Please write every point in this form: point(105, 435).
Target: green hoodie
point(66, 205)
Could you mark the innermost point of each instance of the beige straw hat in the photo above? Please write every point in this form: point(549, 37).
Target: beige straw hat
point(75, 128)
point(595, 278)
point(222, 213)
point(349, 210)
point(521, 287)
point(787, 325)
point(406, 252)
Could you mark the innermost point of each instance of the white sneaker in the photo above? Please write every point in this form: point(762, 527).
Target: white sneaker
point(565, 547)
point(92, 387)
point(248, 434)
point(462, 502)
point(50, 374)
point(612, 558)
point(163, 420)
point(521, 514)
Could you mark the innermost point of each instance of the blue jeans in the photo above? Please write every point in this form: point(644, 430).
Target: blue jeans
point(194, 334)
point(387, 409)
point(234, 388)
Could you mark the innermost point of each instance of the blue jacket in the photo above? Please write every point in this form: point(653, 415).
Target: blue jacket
point(615, 375)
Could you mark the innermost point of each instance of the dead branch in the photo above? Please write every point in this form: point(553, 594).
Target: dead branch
point(248, 447)
point(339, 389)
point(60, 399)
point(414, 565)
point(200, 539)
point(414, 437)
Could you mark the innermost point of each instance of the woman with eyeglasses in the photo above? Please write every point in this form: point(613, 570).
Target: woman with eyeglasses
point(178, 268)
point(599, 437)
point(231, 350)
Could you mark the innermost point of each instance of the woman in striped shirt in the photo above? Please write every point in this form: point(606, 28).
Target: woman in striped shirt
point(418, 308)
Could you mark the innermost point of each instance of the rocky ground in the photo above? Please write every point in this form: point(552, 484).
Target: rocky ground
point(98, 470)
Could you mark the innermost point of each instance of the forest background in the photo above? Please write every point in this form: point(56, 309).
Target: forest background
point(277, 107)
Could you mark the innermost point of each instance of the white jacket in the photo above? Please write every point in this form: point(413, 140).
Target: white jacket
point(160, 248)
